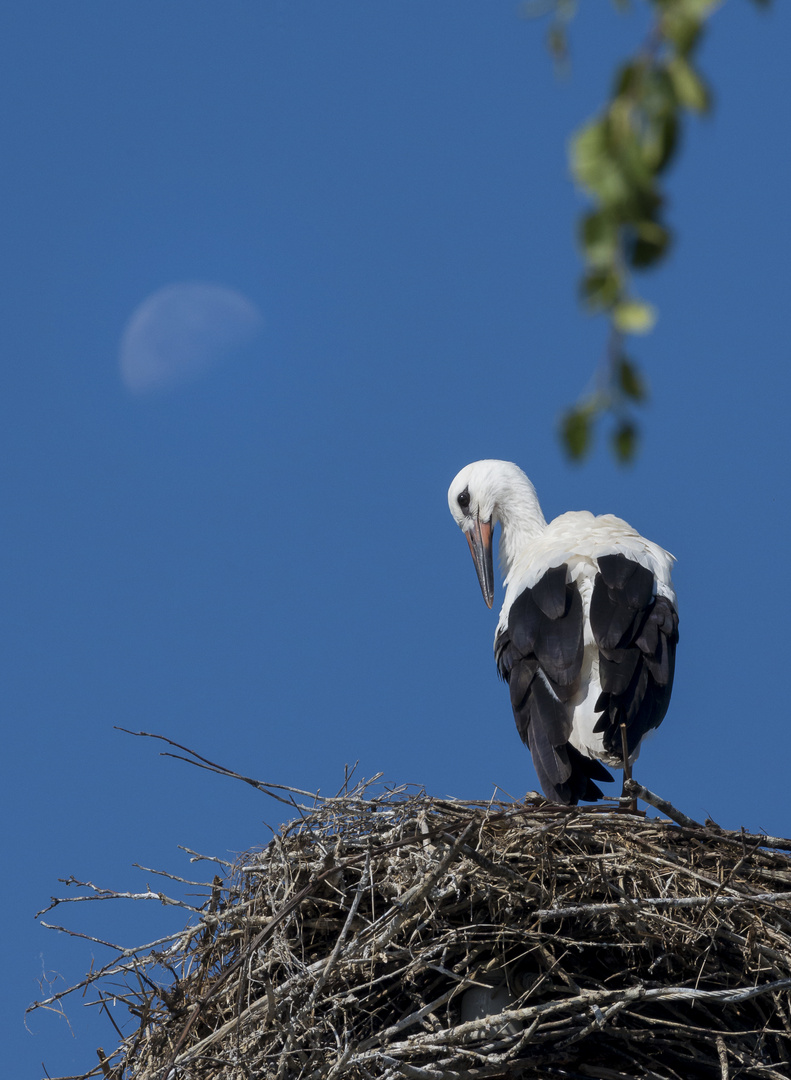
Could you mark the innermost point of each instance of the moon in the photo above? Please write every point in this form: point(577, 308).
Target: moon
point(181, 331)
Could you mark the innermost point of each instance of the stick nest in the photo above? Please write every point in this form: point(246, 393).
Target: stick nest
point(408, 936)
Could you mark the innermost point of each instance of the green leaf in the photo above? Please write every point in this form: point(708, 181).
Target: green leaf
point(587, 149)
point(628, 78)
point(576, 432)
point(599, 237)
point(690, 89)
point(624, 442)
point(650, 242)
point(698, 9)
point(660, 139)
point(593, 164)
point(630, 380)
point(682, 28)
point(634, 317)
point(658, 96)
point(601, 288)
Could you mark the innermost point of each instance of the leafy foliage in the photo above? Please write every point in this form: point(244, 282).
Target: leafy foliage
point(619, 158)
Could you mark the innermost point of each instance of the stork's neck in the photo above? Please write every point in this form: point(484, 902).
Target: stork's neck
point(521, 520)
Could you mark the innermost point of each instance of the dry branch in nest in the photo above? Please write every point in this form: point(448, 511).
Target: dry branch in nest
point(400, 935)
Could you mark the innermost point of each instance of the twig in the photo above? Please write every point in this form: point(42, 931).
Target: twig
point(629, 904)
point(631, 787)
point(722, 1053)
point(333, 957)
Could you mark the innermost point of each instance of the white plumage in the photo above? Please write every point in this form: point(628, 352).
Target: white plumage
point(587, 646)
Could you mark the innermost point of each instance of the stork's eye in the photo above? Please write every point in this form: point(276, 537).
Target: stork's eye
point(464, 499)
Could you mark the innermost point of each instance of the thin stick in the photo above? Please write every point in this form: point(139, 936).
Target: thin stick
point(627, 765)
point(722, 1053)
point(631, 787)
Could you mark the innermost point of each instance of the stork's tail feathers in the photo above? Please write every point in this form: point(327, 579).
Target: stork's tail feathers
point(580, 784)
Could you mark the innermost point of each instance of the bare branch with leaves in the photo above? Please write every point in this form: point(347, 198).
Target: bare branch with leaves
point(620, 159)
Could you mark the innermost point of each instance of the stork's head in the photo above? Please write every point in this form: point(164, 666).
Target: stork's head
point(484, 493)
point(472, 498)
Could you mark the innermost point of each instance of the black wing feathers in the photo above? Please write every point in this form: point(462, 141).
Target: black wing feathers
point(553, 634)
point(540, 656)
point(622, 592)
point(637, 634)
point(550, 593)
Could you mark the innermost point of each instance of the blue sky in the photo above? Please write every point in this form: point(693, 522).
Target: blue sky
point(259, 562)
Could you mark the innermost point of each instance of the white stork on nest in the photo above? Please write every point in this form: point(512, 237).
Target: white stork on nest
point(587, 633)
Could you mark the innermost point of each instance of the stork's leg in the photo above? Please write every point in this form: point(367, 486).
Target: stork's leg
point(630, 804)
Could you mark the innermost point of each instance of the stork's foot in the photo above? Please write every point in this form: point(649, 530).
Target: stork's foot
point(627, 803)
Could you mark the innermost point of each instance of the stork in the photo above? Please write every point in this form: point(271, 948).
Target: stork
point(586, 638)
